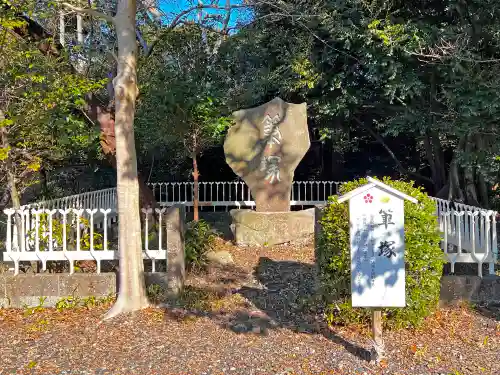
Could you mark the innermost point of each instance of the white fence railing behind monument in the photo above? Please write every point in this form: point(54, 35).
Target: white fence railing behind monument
point(469, 233)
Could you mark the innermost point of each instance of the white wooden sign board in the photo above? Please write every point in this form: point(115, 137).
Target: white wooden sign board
point(376, 218)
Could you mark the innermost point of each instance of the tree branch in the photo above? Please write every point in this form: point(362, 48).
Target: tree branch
point(90, 12)
point(142, 42)
point(178, 19)
point(225, 24)
point(380, 140)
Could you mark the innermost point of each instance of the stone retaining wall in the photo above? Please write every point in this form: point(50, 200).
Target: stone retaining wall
point(27, 289)
point(470, 288)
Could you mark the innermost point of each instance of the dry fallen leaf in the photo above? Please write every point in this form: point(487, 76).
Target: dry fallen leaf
point(383, 363)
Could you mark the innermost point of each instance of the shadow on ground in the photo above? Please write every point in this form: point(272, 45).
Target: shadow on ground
point(490, 310)
point(279, 298)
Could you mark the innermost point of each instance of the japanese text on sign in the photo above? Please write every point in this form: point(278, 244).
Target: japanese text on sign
point(377, 249)
point(270, 164)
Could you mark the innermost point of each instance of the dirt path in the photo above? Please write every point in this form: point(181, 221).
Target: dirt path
point(251, 318)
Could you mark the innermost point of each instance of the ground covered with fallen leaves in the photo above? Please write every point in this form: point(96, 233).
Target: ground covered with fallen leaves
point(254, 317)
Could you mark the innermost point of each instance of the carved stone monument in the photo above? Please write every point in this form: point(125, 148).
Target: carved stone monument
point(264, 147)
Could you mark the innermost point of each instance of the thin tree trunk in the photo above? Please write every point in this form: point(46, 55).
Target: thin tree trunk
point(469, 175)
point(132, 290)
point(482, 184)
point(14, 193)
point(434, 144)
point(439, 157)
point(432, 163)
point(11, 181)
point(44, 183)
point(196, 195)
point(483, 191)
point(455, 190)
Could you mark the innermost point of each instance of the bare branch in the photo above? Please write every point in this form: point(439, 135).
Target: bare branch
point(225, 24)
point(228, 8)
point(459, 49)
point(142, 42)
point(178, 19)
point(91, 12)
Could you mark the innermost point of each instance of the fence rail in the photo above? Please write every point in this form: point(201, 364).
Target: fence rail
point(80, 227)
point(215, 194)
point(90, 200)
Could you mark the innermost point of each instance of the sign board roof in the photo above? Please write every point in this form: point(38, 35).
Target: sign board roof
point(372, 183)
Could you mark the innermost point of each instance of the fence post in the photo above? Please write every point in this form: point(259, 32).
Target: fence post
point(494, 244)
point(176, 268)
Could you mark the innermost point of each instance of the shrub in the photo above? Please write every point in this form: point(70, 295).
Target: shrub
point(71, 241)
point(155, 293)
point(57, 234)
point(199, 240)
point(423, 257)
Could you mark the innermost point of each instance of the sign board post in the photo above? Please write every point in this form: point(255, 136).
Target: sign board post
point(376, 218)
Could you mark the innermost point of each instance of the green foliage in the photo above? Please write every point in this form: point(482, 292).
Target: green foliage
point(42, 100)
point(181, 106)
point(72, 302)
point(155, 293)
point(428, 77)
point(199, 240)
point(33, 310)
point(67, 303)
point(423, 257)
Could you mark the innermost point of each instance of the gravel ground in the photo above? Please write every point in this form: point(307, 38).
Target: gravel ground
point(251, 318)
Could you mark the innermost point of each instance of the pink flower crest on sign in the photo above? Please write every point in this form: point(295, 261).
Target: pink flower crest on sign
point(368, 198)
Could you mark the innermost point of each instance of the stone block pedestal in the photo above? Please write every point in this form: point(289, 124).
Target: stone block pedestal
point(253, 228)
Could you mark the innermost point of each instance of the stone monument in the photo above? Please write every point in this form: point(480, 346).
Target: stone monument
point(264, 147)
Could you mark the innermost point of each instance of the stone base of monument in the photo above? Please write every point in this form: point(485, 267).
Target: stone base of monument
point(252, 228)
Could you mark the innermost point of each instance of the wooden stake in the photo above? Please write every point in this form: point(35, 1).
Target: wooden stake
point(378, 342)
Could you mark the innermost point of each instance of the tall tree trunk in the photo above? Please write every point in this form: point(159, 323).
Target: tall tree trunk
point(104, 117)
point(132, 290)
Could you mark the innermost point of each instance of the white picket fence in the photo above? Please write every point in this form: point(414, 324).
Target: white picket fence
point(469, 233)
point(72, 235)
point(211, 194)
